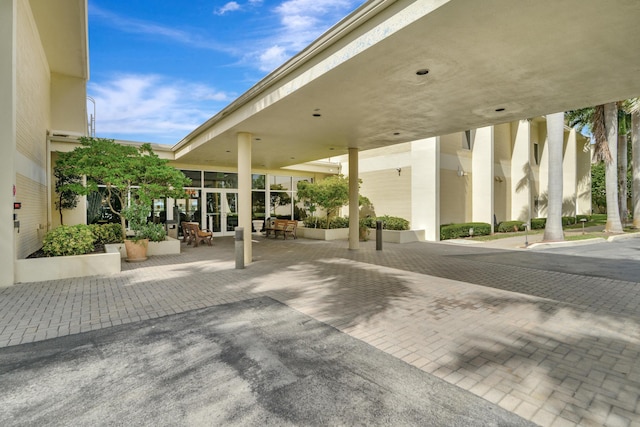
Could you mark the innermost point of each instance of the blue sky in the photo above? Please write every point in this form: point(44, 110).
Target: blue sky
point(160, 68)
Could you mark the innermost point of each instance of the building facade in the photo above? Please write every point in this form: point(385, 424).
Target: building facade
point(43, 74)
point(493, 174)
point(375, 81)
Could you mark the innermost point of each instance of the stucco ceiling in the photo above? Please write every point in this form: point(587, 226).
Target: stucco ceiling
point(488, 62)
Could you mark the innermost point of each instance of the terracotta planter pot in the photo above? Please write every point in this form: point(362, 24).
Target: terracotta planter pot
point(136, 250)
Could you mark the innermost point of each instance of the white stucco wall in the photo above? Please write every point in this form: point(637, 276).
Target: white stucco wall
point(32, 122)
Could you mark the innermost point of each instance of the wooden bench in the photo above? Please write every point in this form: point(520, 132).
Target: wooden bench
point(193, 234)
point(281, 227)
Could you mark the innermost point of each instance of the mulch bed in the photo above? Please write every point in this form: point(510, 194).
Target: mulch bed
point(97, 249)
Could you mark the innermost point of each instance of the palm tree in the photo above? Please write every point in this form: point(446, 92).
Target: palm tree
point(610, 125)
point(602, 121)
point(634, 108)
point(555, 137)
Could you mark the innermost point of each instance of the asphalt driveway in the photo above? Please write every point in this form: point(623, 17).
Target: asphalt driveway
point(255, 362)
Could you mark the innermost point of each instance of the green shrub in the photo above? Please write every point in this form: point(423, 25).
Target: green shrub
point(509, 226)
point(153, 232)
point(568, 220)
point(107, 233)
point(453, 231)
point(368, 222)
point(580, 217)
point(538, 223)
point(312, 221)
point(69, 240)
point(393, 223)
point(339, 222)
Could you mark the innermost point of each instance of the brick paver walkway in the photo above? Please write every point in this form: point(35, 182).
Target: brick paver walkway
point(555, 347)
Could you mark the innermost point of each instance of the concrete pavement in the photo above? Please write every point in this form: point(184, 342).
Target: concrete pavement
point(542, 335)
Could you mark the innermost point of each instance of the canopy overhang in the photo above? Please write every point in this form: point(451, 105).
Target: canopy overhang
point(363, 83)
point(62, 25)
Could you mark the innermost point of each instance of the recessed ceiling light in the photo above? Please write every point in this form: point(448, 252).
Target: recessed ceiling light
point(317, 115)
point(396, 133)
point(498, 110)
point(331, 149)
point(422, 72)
point(228, 151)
point(292, 158)
point(258, 139)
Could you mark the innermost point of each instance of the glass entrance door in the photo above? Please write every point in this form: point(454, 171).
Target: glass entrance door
point(221, 212)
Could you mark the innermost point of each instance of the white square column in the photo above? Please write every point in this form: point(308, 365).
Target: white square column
point(425, 187)
point(570, 174)
point(354, 202)
point(244, 191)
point(482, 191)
point(8, 19)
point(521, 173)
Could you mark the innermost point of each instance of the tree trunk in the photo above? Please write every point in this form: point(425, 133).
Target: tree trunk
point(611, 172)
point(555, 141)
point(635, 167)
point(622, 178)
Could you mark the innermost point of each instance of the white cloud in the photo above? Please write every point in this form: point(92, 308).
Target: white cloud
point(272, 58)
point(232, 6)
point(301, 22)
point(133, 105)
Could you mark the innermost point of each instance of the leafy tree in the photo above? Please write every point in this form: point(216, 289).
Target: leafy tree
point(278, 197)
point(67, 198)
point(133, 175)
point(598, 187)
point(330, 194)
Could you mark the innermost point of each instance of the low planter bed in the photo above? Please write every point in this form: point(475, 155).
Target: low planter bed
point(65, 267)
point(170, 246)
point(404, 236)
point(323, 233)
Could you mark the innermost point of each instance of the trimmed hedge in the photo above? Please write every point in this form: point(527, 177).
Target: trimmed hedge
point(107, 233)
point(393, 223)
point(509, 226)
point(538, 223)
point(317, 222)
point(454, 231)
point(69, 240)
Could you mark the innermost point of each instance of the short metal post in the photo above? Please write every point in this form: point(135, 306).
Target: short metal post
point(239, 248)
point(526, 235)
point(378, 235)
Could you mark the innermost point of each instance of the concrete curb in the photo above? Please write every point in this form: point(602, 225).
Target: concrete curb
point(549, 245)
point(623, 237)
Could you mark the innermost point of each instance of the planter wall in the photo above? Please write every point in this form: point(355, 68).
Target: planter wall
point(390, 236)
point(405, 236)
point(323, 234)
point(170, 246)
point(65, 267)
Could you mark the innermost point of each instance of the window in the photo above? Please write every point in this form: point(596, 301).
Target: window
point(258, 181)
point(194, 176)
point(220, 180)
point(535, 153)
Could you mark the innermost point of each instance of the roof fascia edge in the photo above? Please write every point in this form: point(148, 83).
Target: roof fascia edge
point(361, 15)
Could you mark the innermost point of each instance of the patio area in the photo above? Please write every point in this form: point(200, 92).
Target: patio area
point(543, 335)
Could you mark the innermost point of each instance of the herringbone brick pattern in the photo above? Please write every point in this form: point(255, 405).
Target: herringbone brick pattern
point(556, 348)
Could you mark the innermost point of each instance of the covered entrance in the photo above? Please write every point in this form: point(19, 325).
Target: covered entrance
point(221, 211)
